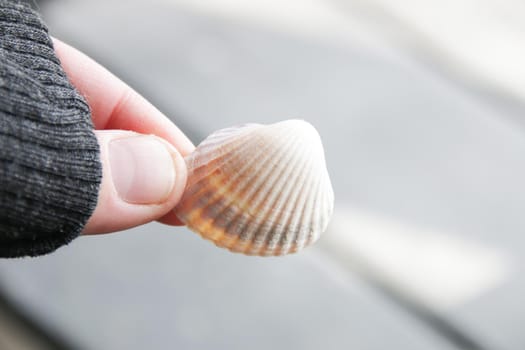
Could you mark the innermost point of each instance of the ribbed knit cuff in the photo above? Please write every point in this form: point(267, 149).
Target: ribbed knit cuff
point(49, 156)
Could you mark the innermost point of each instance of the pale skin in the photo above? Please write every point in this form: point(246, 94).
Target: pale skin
point(117, 110)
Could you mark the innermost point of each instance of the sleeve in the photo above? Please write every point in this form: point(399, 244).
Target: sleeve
point(50, 170)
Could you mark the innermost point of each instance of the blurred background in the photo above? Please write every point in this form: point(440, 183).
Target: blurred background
point(420, 105)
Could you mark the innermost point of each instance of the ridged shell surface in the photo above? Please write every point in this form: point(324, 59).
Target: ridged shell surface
point(259, 189)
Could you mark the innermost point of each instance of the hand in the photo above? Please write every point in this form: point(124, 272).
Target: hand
point(143, 175)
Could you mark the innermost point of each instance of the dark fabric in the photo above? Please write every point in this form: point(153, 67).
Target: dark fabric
point(49, 157)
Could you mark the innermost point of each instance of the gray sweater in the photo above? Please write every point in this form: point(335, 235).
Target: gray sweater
point(49, 157)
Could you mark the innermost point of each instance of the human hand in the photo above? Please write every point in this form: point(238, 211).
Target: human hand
point(144, 176)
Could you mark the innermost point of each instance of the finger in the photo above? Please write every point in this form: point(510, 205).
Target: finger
point(143, 178)
point(114, 105)
point(171, 219)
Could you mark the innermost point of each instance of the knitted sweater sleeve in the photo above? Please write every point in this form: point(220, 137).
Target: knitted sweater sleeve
point(49, 157)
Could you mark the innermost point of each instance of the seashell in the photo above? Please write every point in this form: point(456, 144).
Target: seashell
point(259, 189)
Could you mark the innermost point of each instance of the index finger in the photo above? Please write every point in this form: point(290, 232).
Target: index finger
point(115, 105)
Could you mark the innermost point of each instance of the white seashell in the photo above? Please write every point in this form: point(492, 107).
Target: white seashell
point(259, 189)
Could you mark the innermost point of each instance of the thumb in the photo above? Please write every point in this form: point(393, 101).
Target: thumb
point(143, 178)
